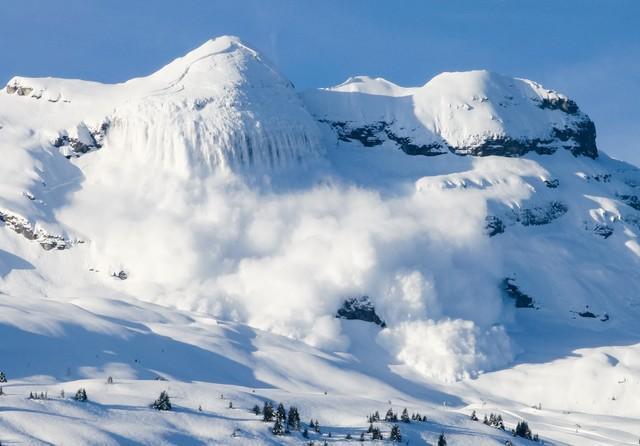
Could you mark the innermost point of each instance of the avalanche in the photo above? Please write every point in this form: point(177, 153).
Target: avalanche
point(211, 222)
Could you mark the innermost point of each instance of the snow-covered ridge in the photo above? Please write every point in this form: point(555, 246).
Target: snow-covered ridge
point(219, 107)
point(467, 113)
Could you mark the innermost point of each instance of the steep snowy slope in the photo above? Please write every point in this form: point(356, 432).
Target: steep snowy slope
point(137, 217)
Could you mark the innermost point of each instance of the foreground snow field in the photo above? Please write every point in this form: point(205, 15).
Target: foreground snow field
point(198, 230)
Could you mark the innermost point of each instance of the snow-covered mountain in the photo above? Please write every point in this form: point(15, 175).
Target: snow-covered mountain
point(458, 246)
point(470, 113)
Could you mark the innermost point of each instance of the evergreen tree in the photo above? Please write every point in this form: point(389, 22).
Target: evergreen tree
point(305, 433)
point(281, 413)
point(163, 402)
point(361, 436)
point(256, 410)
point(293, 419)
point(376, 416)
point(522, 430)
point(474, 417)
point(316, 426)
point(395, 433)
point(348, 437)
point(3, 377)
point(376, 434)
point(486, 420)
point(442, 440)
point(110, 380)
point(267, 412)
point(370, 428)
point(1, 391)
point(278, 427)
point(389, 415)
point(405, 416)
point(81, 395)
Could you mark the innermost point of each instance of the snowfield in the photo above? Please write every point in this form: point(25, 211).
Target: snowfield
point(198, 230)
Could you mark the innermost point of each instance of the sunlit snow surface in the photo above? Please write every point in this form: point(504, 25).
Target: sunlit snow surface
point(242, 224)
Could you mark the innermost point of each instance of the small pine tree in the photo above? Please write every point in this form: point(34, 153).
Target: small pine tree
point(31, 395)
point(405, 416)
point(376, 434)
point(305, 433)
point(110, 380)
point(376, 416)
point(395, 434)
point(389, 415)
point(442, 440)
point(81, 395)
point(474, 417)
point(230, 404)
point(293, 419)
point(278, 427)
point(267, 412)
point(348, 437)
point(522, 430)
point(281, 413)
point(3, 377)
point(1, 391)
point(361, 436)
point(316, 427)
point(256, 410)
point(163, 402)
point(370, 428)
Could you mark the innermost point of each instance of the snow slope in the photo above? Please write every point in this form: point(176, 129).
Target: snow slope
point(206, 223)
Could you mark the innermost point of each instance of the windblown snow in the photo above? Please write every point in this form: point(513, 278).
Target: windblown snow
point(206, 223)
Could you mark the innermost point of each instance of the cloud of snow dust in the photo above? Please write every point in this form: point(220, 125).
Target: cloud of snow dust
point(285, 261)
point(448, 350)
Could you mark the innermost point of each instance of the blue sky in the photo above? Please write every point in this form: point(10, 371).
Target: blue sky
point(587, 49)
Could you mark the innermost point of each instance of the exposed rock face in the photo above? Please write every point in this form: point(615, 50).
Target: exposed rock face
point(376, 134)
point(631, 200)
point(18, 89)
point(604, 231)
point(361, 309)
point(21, 226)
point(82, 140)
point(512, 291)
point(122, 275)
point(540, 215)
point(552, 184)
point(494, 225)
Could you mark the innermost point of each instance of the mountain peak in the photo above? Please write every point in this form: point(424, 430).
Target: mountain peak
point(467, 113)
